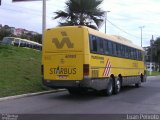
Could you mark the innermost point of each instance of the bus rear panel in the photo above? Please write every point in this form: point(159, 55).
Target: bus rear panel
point(63, 60)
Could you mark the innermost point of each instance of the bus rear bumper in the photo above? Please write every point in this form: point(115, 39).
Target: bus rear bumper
point(97, 84)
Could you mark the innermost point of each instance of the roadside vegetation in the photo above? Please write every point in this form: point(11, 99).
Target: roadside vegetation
point(153, 73)
point(20, 71)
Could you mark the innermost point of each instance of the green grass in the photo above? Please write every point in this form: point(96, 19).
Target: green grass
point(153, 73)
point(20, 71)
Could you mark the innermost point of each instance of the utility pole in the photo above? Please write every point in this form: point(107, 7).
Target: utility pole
point(141, 27)
point(106, 20)
point(43, 19)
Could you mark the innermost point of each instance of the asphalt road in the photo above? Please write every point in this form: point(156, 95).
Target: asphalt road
point(145, 99)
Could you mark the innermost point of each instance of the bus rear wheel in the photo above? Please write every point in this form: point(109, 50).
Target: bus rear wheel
point(109, 90)
point(117, 86)
point(137, 85)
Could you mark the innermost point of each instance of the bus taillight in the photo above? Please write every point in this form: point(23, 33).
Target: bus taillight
point(86, 70)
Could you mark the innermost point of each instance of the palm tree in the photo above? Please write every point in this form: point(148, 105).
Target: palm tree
point(81, 12)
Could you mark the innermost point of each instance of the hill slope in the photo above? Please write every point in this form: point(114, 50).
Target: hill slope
point(20, 70)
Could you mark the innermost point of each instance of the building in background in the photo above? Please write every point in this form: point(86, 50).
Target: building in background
point(17, 31)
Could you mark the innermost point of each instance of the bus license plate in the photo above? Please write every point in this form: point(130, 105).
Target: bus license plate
point(62, 77)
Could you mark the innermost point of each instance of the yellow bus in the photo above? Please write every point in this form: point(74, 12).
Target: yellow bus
point(79, 59)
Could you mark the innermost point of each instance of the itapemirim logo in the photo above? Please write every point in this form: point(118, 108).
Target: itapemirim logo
point(65, 40)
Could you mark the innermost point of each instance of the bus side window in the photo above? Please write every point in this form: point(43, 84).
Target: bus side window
point(100, 45)
point(27, 44)
point(106, 48)
point(133, 53)
point(93, 44)
point(126, 52)
point(114, 49)
point(119, 50)
point(141, 58)
point(139, 55)
point(129, 52)
point(123, 51)
point(16, 43)
point(110, 48)
point(136, 54)
point(8, 41)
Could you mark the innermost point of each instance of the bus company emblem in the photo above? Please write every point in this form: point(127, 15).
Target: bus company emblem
point(107, 68)
point(63, 71)
point(65, 40)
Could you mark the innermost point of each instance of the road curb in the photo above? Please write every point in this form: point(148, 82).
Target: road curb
point(30, 94)
point(152, 76)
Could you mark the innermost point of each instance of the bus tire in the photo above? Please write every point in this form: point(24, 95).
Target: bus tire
point(109, 90)
point(117, 86)
point(137, 85)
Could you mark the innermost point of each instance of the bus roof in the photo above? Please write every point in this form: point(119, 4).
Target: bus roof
point(114, 38)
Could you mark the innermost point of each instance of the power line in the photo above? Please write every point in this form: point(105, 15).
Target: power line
point(32, 10)
point(123, 30)
point(56, 6)
point(17, 6)
point(37, 11)
point(17, 11)
point(13, 10)
point(128, 32)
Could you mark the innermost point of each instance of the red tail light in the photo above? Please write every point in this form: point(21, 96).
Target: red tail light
point(86, 70)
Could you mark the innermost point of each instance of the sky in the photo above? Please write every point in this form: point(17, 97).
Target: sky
point(124, 19)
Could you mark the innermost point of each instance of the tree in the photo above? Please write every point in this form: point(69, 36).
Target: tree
point(82, 12)
point(37, 38)
point(24, 36)
point(155, 48)
point(5, 33)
